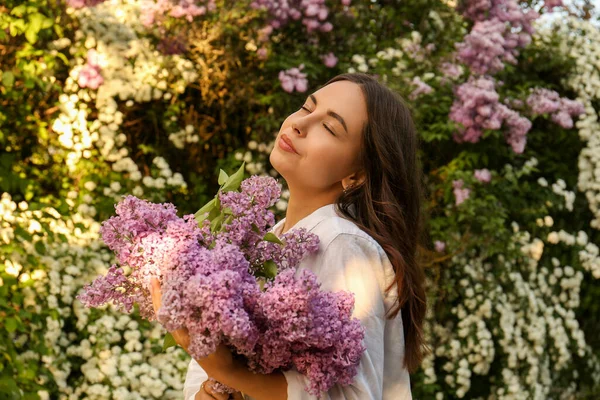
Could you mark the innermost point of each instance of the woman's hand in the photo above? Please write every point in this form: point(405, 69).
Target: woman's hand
point(207, 393)
point(221, 359)
point(181, 335)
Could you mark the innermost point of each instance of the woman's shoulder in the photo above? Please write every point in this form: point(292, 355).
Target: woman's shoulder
point(344, 231)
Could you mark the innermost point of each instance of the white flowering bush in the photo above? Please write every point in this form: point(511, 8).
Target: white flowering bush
point(103, 98)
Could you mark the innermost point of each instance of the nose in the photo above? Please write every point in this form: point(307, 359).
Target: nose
point(295, 128)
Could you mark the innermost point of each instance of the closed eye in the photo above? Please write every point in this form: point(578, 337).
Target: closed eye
point(326, 127)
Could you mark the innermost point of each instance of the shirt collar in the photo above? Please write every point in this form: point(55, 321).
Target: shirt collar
point(311, 220)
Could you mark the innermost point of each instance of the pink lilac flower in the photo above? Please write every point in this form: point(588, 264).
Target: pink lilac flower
point(476, 107)
point(545, 101)
point(483, 175)
point(89, 75)
point(264, 33)
point(292, 79)
point(154, 13)
point(451, 70)
point(501, 26)
point(484, 48)
point(550, 4)
point(83, 3)
point(262, 53)
point(439, 246)
point(330, 60)
point(517, 128)
point(313, 13)
point(422, 88)
point(460, 193)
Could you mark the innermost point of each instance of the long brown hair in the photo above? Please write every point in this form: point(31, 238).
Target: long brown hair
point(389, 203)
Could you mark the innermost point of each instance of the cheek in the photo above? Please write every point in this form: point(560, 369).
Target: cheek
point(329, 160)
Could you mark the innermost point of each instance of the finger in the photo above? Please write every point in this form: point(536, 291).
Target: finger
point(238, 396)
point(202, 395)
point(156, 294)
point(209, 389)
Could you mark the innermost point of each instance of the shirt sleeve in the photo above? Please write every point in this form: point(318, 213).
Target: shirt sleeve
point(352, 263)
point(193, 379)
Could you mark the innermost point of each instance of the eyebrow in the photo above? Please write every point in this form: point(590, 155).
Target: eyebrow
point(331, 113)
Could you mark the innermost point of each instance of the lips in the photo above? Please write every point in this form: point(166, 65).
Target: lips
point(286, 139)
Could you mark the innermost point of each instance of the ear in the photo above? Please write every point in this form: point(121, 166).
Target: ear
point(354, 179)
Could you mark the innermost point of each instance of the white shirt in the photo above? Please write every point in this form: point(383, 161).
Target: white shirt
point(348, 259)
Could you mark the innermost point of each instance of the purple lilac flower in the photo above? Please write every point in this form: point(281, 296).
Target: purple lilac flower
point(422, 88)
point(562, 110)
point(451, 70)
point(84, 3)
point(309, 329)
point(208, 286)
point(330, 60)
point(501, 26)
point(476, 107)
point(439, 246)
point(460, 193)
point(483, 175)
point(312, 12)
point(262, 53)
point(550, 4)
point(154, 13)
point(293, 79)
point(90, 76)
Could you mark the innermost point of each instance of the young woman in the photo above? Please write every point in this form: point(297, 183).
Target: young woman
point(349, 157)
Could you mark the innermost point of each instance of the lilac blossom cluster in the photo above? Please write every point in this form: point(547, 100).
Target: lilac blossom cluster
point(292, 79)
point(155, 12)
point(450, 71)
point(460, 193)
point(483, 175)
point(476, 107)
point(301, 328)
point(211, 285)
point(329, 59)
point(421, 88)
point(314, 13)
point(562, 110)
point(83, 3)
point(90, 76)
point(501, 26)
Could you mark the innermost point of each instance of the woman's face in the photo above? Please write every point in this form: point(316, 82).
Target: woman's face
point(327, 135)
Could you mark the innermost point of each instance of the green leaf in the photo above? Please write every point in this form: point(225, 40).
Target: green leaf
point(39, 247)
point(207, 208)
point(31, 34)
point(233, 183)
point(270, 269)
point(215, 224)
point(255, 228)
point(8, 79)
point(169, 341)
point(10, 324)
point(223, 177)
point(19, 10)
point(271, 237)
point(63, 58)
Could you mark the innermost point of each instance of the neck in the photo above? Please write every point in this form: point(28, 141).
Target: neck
point(301, 206)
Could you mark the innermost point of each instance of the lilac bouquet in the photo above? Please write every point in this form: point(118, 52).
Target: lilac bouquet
point(228, 280)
